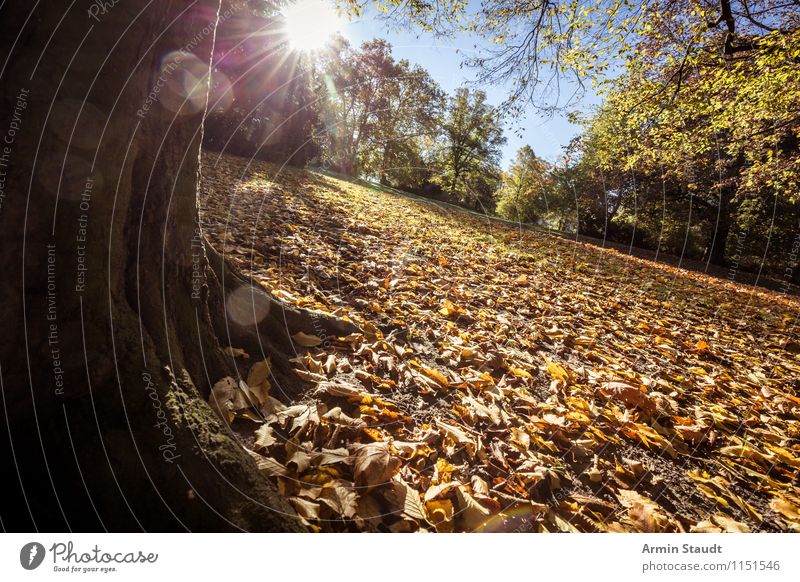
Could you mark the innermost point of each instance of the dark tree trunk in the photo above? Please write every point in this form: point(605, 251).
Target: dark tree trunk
point(722, 229)
point(108, 349)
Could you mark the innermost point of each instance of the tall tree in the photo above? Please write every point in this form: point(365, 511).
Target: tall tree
point(118, 301)
point(523, 194)
point(355, 92)
point(471, 149)
point(408, 121)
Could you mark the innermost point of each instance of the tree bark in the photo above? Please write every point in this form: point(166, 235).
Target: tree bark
point(105, 288)
point(722, 229)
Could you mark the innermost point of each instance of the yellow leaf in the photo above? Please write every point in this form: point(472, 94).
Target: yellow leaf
point(520, 373)
point(436, 376)
point(557, 371)
point(440, 514)
point(788, 510)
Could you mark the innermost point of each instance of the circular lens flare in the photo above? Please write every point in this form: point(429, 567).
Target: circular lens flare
point(310, 24)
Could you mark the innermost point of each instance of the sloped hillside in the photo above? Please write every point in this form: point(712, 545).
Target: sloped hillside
point(503, 379)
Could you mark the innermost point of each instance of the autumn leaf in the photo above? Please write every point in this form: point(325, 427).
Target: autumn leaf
point(306, 340)
point(258, 374)
point(557, 371)
point(373, 463)
point(341, 390)
point(222, 396)
point(265, 438)
point(236, 352)
point(435, 375)
point(440, 514)
point(471, 514)
point(629, 394)
point(520, 373)
point(406, 498)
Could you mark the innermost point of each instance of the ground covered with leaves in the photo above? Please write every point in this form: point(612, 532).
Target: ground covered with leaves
point(503, 380)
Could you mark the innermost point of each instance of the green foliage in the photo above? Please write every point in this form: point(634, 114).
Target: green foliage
point(523, 194)
point(469, 156)
point(380, 115)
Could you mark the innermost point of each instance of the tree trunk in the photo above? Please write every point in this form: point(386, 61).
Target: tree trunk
point(105, 281)
point(722, 229)
point(384, 173)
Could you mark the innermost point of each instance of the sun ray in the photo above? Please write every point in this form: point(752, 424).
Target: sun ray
point(310, 24)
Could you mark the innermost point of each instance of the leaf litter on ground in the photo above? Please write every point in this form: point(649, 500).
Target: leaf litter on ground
point(504, 379)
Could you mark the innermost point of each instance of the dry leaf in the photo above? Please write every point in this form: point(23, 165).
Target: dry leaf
point(306, 340)
point(440, 514)
point(629, 394)
point(341, 389)
point(557, 371)
point(404, 497)
point(265, 438)
point(471, 514)
point(222, 396)
point(236, 352)
point(373, 463)
point(258, 374)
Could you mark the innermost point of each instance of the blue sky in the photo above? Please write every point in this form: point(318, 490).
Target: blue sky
point(546, 135)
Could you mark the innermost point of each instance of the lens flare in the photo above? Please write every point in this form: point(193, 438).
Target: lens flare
point(310, 24)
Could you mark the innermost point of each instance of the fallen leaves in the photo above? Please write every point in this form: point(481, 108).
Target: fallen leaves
point(789, 511)
point(374, 464)
point(522, 383)
point(557, 371)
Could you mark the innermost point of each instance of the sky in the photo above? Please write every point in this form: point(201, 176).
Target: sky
point(546, 135)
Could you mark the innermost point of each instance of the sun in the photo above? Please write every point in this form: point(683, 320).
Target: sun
point(310, 24)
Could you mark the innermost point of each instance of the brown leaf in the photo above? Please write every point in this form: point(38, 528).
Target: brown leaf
point(265, 437)
point(629, 394)
point(341, 497)
point(341, 390)
point(306, 340)
point(236, 352)
point(221, 398)
point(404, 497)
point(258, 374)
point(440, 490)
point(309, 376)
point(306, 509)
point(471, 514)
point(373, 463)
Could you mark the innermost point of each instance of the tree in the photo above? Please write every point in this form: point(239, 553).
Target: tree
point(470, 153)
point(406, 124)
point(537, 45)
point(523, 194)
point(725, 134)
point(354, 92)
point(710, 87)
point(119, 301)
